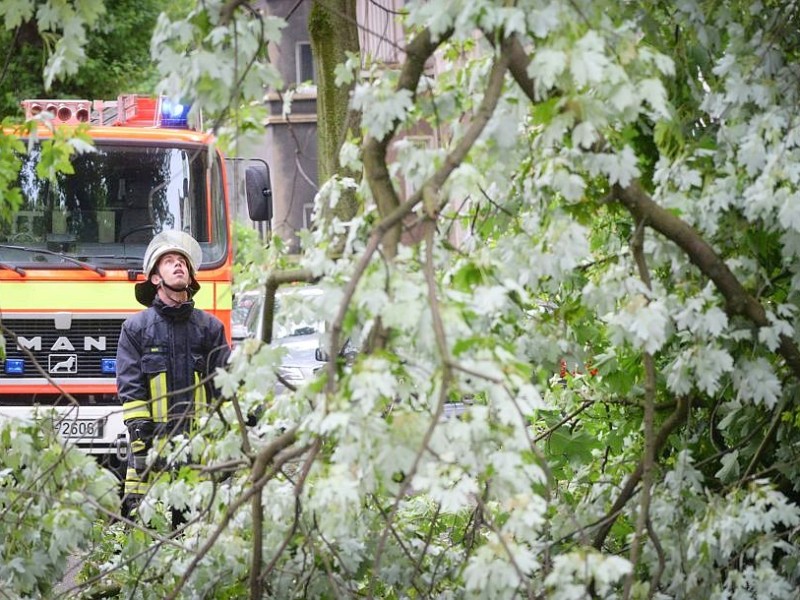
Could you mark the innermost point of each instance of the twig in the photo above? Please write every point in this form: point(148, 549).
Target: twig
point(637, 248)
point(523, 580)
point(662, 560)
point(265, 455)
point(441, 342)
point(586, 404)
point(773, 428)
point(675, 419)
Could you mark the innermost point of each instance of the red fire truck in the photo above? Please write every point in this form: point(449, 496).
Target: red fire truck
point(72, 252)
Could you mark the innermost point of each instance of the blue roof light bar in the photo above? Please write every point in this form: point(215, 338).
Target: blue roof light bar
point(174, 114)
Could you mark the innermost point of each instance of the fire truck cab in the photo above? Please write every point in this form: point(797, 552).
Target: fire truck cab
point(72, 252)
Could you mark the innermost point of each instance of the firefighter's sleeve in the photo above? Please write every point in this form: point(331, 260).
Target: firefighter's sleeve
point(131, 384)
point(218, 355)
point(222, 350)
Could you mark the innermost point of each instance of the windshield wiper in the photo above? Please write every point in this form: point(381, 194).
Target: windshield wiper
point(117, 257)
point(133, 274)
point(18, 270)
point(84, 265)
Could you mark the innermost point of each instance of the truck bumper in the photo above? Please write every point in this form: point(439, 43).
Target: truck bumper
point(93, 429)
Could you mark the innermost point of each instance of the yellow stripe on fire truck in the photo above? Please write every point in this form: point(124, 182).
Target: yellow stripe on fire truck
point(100, 296)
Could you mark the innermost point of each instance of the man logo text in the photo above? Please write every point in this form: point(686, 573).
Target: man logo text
point(34, 344)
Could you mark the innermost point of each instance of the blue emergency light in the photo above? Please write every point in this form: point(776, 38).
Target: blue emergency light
point(108, 366)
point(15, 366)
point(174, 114)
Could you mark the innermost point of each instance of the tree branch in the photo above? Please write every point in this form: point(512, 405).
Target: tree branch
point(662, 560)
point(485, 110)
point(675, 419)
point(256, 507)
point(275, 280)
point(447, 373)
point(264, 456)
point(376, 171)
point(518, 64)
point(648, 460)
point(738, 302)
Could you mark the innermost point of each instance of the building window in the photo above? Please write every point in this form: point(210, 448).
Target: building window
point(308, 215)
point(305, 63)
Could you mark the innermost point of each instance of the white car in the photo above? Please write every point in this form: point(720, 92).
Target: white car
point(305, 356)
point(300, 338)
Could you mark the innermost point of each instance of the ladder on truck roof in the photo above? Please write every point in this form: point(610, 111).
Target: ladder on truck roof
point(130, 110)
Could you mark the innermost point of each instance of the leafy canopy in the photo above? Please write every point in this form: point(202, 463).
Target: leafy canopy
point(600, 267)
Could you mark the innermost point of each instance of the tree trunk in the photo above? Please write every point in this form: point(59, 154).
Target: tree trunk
point(334, 33)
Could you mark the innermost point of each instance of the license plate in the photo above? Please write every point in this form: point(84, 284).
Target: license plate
point(80, 428)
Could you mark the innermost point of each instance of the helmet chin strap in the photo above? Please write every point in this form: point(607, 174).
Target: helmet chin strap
point(174, 289)
point(174, 296)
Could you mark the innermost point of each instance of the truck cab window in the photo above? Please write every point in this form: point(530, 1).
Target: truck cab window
point(117, 199)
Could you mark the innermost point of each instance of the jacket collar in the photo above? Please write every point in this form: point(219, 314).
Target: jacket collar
point(178, 313)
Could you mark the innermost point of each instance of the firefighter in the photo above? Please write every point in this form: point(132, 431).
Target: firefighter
point(166, 356)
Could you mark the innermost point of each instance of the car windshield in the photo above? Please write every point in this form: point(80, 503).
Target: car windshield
point(290, 320)
point(297, 328)
point(294, 313)
point(117, 199)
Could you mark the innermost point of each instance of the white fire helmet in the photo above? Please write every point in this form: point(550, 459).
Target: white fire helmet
point(167, 242)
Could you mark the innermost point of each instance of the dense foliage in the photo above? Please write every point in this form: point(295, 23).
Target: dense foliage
point(116, 54)
point(605, 276)
point(54, 500)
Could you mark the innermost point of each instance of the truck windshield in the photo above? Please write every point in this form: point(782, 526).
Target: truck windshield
point(117, 199)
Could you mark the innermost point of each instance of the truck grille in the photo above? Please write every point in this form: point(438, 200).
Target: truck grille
point(80, 352)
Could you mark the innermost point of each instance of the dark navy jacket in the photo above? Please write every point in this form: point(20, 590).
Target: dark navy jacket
point(163, 353)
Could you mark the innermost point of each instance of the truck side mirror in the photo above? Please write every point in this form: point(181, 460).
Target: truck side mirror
point(259, 191)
